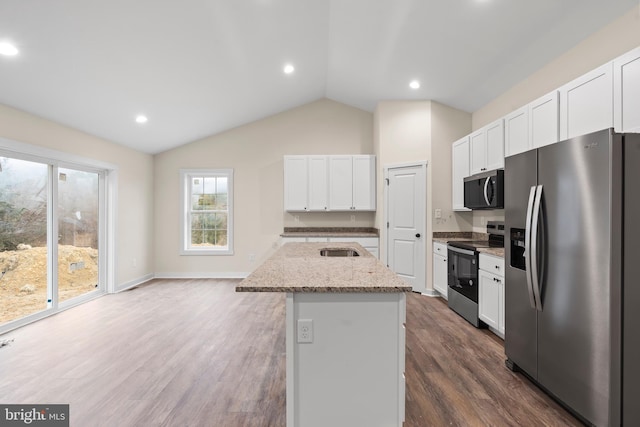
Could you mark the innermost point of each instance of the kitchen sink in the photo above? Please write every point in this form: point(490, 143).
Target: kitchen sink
point(341, 252)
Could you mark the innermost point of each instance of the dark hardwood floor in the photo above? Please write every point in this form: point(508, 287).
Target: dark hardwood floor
point(196, 353)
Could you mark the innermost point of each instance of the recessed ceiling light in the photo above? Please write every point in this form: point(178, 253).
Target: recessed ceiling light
point(414, 84)
point(8, 49)
point(141, 119)
point(288, 69)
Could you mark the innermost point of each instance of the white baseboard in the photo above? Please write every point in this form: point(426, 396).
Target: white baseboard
point(430, 293)
point(193, 275)
point(133, 283)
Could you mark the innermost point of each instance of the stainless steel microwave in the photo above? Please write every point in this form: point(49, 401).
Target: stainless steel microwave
point(485, 190)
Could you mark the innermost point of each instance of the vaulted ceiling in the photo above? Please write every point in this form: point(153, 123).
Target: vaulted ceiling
point(199, 67)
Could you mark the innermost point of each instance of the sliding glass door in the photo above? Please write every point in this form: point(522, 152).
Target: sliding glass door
point(78, 232)
point(51, 233)
point(24, 288)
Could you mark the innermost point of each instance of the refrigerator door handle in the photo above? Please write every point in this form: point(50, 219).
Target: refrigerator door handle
point(527, 246)
point(534, 249)
point(486, 195)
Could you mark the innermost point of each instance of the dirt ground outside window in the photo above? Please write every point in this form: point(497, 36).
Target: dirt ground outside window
point(23, 285)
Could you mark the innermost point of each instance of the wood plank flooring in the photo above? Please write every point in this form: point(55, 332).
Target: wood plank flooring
point(196, 353)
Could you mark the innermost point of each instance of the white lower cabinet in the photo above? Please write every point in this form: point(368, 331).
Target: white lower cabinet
point(440, 268)
point(491, 292)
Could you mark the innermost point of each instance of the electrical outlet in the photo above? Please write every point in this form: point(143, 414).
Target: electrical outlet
point(305, 331)
point(438, 213)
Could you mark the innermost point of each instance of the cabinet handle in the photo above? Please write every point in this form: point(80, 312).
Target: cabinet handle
point(497, 267)
point(445, 260)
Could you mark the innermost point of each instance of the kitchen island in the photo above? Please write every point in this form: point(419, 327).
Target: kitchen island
point(345, 334)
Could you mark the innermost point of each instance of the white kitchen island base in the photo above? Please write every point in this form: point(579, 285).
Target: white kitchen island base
point(352, 374)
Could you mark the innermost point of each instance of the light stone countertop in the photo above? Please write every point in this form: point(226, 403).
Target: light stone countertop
point(298, 267)
point(329, 232)
point(499, 252)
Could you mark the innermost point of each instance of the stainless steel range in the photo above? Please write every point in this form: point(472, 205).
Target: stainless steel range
point(462, 277)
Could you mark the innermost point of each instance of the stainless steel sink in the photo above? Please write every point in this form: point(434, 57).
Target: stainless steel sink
point(342, 252)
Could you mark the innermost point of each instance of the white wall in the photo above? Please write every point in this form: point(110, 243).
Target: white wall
point(255, 151)
point(418, 131)
point(611, 41)
point(616, 38)
point(134, 222)
point(447, 125)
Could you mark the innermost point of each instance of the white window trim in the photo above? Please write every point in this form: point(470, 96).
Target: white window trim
point(185, 235)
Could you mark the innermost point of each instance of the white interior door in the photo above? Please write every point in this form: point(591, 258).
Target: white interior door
point(406, 216)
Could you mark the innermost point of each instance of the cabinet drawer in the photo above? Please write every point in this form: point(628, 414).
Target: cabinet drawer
point(440, 248)
point(492, 264)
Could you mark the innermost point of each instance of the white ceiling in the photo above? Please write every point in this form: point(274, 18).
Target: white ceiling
point(199, 67)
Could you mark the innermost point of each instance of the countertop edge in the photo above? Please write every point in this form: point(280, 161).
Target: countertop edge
point(326, 290)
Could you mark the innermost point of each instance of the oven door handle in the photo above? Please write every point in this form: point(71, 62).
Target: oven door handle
point(535, 279)
point(527, 246)
point(461, 251)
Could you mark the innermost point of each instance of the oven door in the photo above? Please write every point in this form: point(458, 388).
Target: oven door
point(462, 274)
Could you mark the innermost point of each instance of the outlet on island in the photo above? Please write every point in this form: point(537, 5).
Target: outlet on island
point(305, 331)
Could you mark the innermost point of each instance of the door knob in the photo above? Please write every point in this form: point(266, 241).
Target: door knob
point(418, 235)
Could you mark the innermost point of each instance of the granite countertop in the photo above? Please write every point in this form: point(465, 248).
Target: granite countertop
point(330, 232)
point(444, 237)
point(298, 267)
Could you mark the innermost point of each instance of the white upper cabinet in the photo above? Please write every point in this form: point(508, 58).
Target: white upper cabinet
point(495, 145)
point(487, 148)
point(626, 98)
point(352, 183)
point(318, 183)
point(586, 103)
point(459, 171)
point(341, 183)
point(516, 132)
point(544, 128)
point(296, 179)
point(477, 151)
point(364, 183)
point(322, 183)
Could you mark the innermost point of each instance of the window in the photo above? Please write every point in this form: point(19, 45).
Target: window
point(207, 211)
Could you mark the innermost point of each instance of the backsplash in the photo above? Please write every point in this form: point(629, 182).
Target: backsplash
point(481, 217)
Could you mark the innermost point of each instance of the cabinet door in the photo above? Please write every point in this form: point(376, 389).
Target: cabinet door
point(318, 183)
point(516, 132)
point(295, 183)
point(495, 145)
point(340, 183)
point(364, 183)
point(544, 128)
point(477, 152)
point(459, 171)
point(489, 298)
point(626, 95)
point(440, 274)
point(586, 104)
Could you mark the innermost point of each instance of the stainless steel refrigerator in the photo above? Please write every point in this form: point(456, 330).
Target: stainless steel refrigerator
point(572, 286)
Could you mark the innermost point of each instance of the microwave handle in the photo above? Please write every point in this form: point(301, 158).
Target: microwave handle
point(486, 195)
